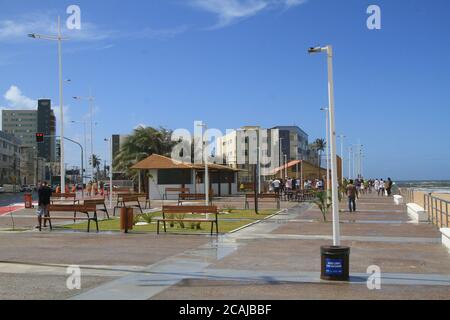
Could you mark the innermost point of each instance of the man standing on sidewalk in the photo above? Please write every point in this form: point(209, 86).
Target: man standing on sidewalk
point(352, 193)
point(44, 194)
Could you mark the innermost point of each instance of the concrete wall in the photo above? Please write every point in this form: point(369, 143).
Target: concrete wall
point(157, 191)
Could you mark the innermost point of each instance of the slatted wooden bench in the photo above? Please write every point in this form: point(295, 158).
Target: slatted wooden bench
point(192, 210)
point(147, 199)
point(263, 197)
point(186, 197)
point(74, 208)
point(177, 190)
point(64, 198)
point(96, 203)
point(123, 199)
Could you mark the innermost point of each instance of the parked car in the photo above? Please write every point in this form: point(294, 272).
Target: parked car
point(2, 190)
point(26, 188)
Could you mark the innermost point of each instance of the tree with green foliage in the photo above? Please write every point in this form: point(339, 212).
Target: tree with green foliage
point(319, 145)
point(142, 143)
point(323, 202)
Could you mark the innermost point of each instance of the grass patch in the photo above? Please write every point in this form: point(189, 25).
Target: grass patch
point(239, 218)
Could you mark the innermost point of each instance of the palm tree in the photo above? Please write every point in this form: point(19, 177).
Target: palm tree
point(95, 162)
point(320, 145)
point(144, 142)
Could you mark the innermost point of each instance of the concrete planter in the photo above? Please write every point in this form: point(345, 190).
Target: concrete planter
point(446, 237)
point(398, 199)
point(417, 213)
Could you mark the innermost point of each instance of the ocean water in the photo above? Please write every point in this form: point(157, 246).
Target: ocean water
point(435, 186)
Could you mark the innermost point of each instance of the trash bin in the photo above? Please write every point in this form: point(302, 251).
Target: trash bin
point(335, 263)
point(28, 199)
point(126, 219)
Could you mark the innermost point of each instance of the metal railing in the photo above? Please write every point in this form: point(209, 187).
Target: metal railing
point(438, 210)
point(407, 194)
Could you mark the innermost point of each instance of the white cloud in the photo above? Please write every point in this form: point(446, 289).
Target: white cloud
point(231, 11)
point(16, 100)
point(16, 30)
point(46, 23)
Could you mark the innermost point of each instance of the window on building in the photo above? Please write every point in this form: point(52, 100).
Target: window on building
point(174, 176)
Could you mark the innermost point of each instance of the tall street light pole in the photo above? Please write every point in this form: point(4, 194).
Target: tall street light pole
point(334, 187)
point(91, 100)
point(205, 159)
point(342, 137)
point(335, 259)
point(58, 38)
point(85, 146)
point(350, 162)
point(280, 157)
point(110, 171)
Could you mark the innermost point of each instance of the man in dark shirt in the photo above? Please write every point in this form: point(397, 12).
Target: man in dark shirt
point(44, 194)
point(352, 193)
point(389, 187)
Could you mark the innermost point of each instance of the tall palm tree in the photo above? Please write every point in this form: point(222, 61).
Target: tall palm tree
point(143, 142)
point(95, 162)
point(320, 145)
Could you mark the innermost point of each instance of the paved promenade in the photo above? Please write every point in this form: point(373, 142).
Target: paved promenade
point(278, 258)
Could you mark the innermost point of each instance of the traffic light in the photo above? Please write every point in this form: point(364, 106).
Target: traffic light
point(39, 137)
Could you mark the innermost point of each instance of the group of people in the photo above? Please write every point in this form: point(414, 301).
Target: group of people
point(93, 188)
point(287, 185)
point(360, 186)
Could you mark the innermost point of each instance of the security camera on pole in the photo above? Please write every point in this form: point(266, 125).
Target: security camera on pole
point(335, 259)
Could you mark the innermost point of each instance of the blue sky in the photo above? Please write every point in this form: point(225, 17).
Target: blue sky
point(233, 63)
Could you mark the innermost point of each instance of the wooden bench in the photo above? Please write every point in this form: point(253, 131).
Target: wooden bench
point(122, 200)
point(76, 208)
point(98, 202)
point(147, 199)
point(269, 197)
point(64, 197)
point(122, 190)
point(177, 190)
point(193, 210)
point(186, 197)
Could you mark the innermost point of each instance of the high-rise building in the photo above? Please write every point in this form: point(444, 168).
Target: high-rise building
point(294, 143)
point(117, 142)
point(46, 124)
point(10, 159)
point(22, 124)
point(239, 149)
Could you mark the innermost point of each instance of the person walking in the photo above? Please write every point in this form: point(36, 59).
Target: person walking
point(276, 186)
point(389, 184)
point(352, 193)
point(381, 188)
point(44, 194)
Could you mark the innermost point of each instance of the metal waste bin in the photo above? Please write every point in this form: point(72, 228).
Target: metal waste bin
point(28, 199)
point(126, 219)
point(335, 263)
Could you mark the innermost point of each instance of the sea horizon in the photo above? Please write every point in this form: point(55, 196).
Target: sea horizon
point(435, 186)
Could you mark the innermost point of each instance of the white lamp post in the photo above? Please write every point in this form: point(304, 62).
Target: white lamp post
point(91, 100)
point(334, 183)
point(342, 137)
point(281, 157)
point(110, 172)
point(85, 148)
point(205, 159)
point(350, 162)
point(58, 38)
